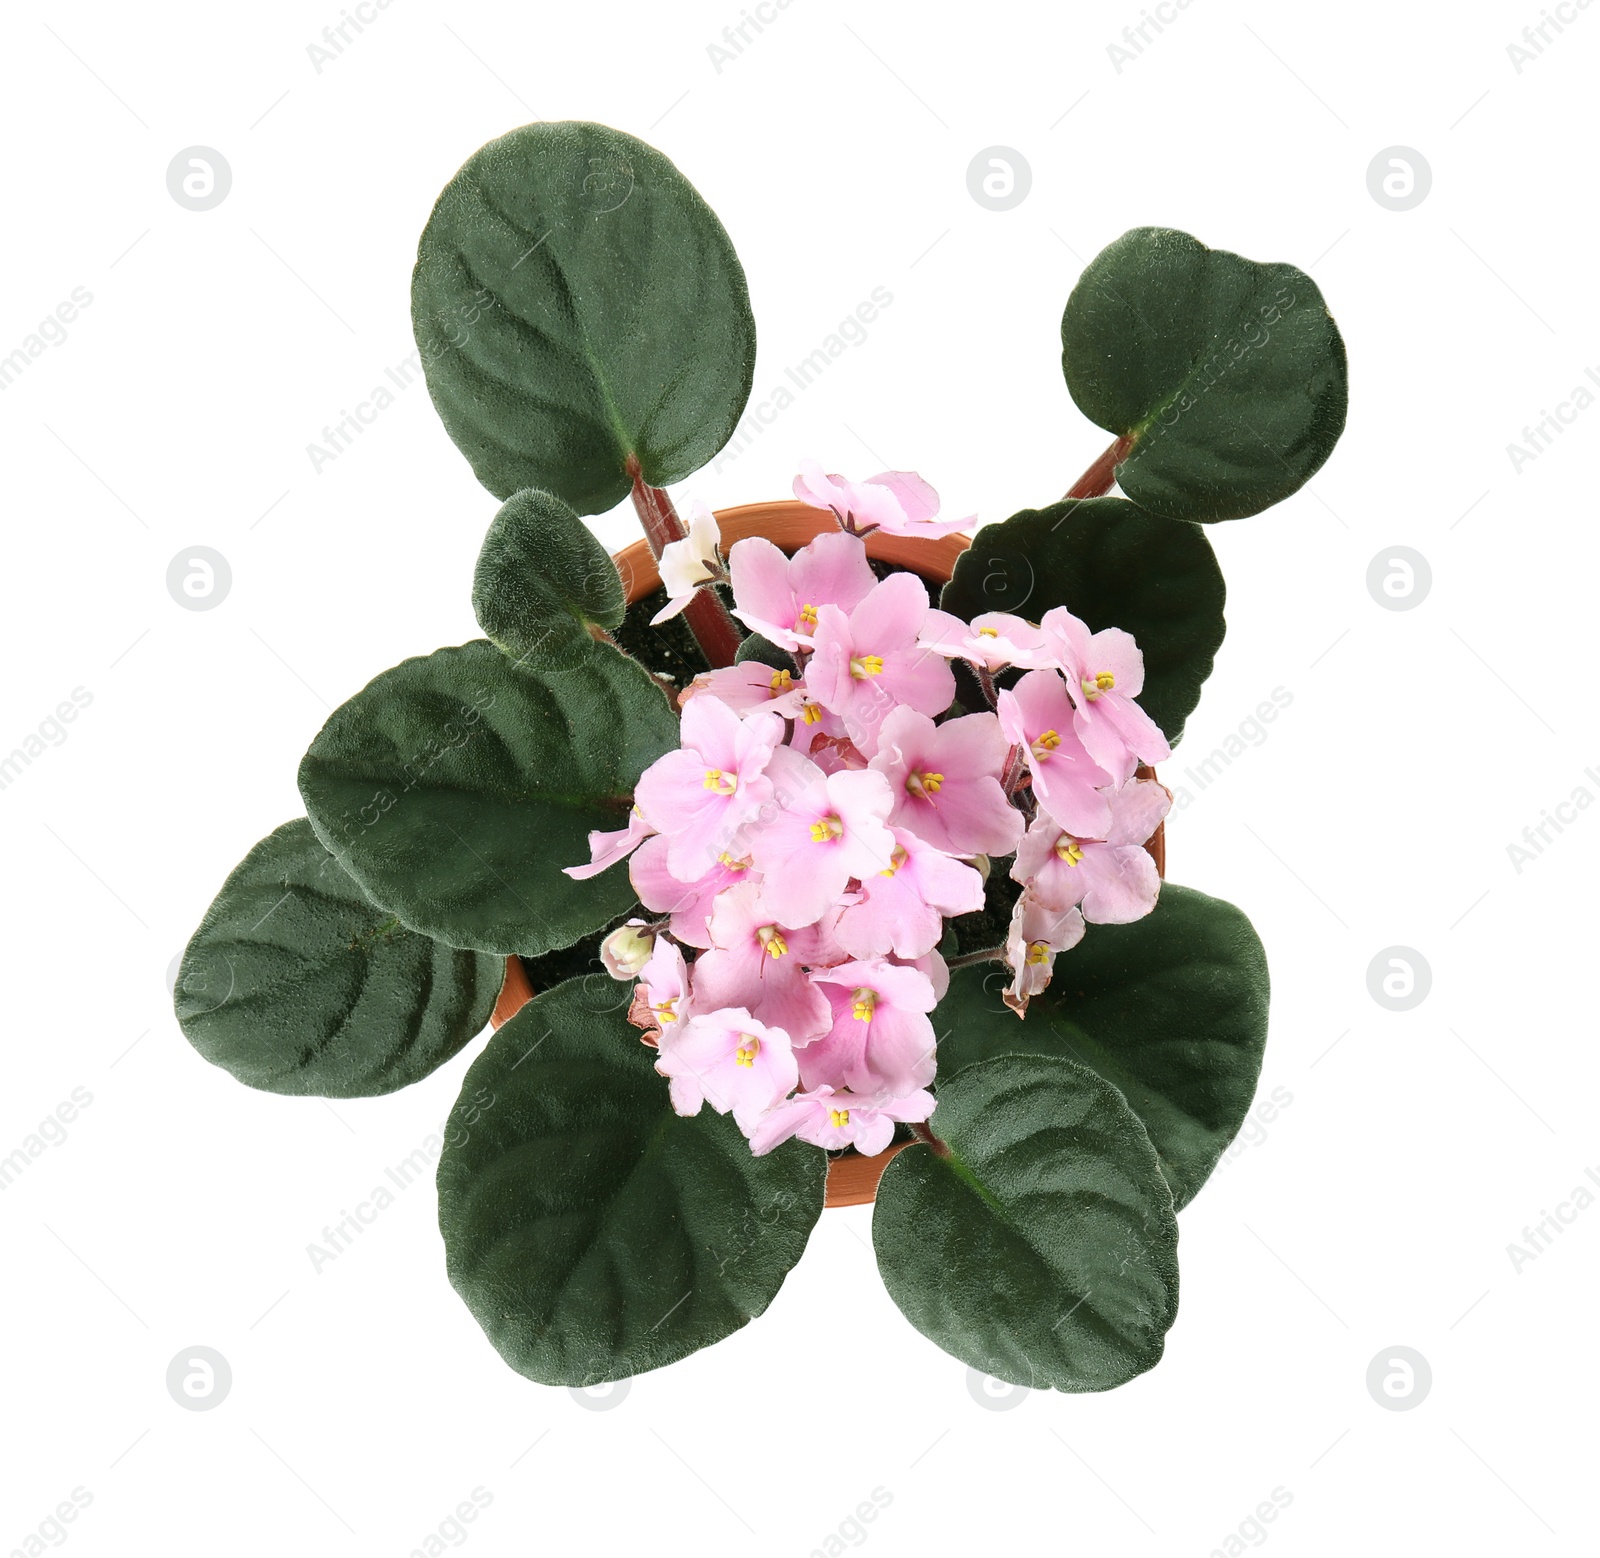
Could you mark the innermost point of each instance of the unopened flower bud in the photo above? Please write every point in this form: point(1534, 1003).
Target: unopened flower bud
point(627, 949)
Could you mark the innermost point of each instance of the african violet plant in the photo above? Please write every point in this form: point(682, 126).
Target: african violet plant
point(864, 832)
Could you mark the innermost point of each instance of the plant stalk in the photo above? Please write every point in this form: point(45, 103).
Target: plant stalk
point(923, 1134)
point(1099, 479)
point(714, 630)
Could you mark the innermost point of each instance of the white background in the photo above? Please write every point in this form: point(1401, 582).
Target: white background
point(1374, 1211)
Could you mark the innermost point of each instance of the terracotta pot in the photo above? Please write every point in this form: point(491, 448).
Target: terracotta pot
point(852, 1178)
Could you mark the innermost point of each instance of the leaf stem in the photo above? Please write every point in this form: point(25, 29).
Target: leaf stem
point(920, 1130)
point(986, 955)
point(1099, 479)
point(707, 618)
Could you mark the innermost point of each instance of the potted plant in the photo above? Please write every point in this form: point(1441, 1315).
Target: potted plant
point(758, 839)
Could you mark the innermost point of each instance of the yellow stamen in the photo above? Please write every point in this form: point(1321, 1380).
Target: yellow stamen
point(1103, 681)
point(1048, 741)
point(725, 859)
point(723, 784)
point(1067, 848)
point(863, 666)
point(1038, 951)
point(924, 784)
point(838, 1118)
point(780, 682)
point(864, 1000)
point(749, 1048)
point(810, 711)
point(826, 829)
point(897, 858)
point(772, 940)
point(666, 1010)
point(988, 632)
point(808, 615)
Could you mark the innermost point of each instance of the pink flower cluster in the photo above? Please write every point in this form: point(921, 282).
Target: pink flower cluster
point(821, 820)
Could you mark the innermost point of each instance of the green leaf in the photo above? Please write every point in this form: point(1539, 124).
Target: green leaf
point(1228, 375)
point(542, 579)
point(296, 983)
point(578, 305)
point(594, 1233)
point(1113, 565)
point(1172, 1010)
point(1043, 1248)
point(456, 786)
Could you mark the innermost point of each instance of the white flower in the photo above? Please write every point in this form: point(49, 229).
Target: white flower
point(690, 563)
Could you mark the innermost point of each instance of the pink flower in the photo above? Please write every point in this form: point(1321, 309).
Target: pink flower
point(823, 829)
point(758, 964)
point(994, 639)
point(606, 849)
point(945, 781)
point(1035, 936)
point(1037, 715)
point(1105, 673)
point(701, 795)
point(830, 1119)
point(728, 1060)
point(881, 1041)
point(664, 984)
point(901, 906)
point(899, 502)
point(869, 662)
point(691, 562)
point(689, 903)
point(1115, 880)
point(779, 597)
point(749, 687)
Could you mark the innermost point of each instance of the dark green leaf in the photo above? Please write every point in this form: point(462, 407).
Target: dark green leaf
point(1113, 565)
point(577, 303)
point(1171, 1009)
point(541, 580)
point(1228, 375)
point(594, 1233)
point(296, 983)
point(1043, 1248)
point(456, 786)
point(755, 647)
